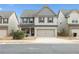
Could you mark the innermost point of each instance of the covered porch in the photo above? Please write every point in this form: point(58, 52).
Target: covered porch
point(28, 31)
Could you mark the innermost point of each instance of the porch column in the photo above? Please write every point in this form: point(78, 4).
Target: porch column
point(35, 32)
point(30, 31)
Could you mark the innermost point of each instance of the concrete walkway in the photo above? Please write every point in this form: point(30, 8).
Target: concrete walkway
point(41, 40)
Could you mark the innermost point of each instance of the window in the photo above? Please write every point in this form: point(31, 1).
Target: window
point(25, 20)
point(41, 19)
point(74, 34)
point(74, 21)
point(31, 20)
point(28, 20)
point(60, 23)
point(5, 20)
point(0, 19)
point(50, 20)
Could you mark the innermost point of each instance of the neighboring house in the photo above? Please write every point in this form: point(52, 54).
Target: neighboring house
point(73, 23)
point(39, 23)
point(8, 23)
point(69, 21)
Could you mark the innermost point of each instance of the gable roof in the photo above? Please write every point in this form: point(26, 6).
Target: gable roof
point(5, 14)
point(67, 12)
point(45, 11)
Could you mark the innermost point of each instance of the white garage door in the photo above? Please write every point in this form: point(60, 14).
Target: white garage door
point(45, 33)
point(3, 33)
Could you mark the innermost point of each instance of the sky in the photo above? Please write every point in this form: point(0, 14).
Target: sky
point(18, 8)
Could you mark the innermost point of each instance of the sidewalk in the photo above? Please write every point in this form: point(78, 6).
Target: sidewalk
point(9, 40)
point(32, 40)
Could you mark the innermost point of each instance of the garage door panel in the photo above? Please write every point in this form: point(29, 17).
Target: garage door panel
point(45, 32)
point(3, 33)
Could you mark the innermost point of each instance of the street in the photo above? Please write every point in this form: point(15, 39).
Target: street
point(39, 48)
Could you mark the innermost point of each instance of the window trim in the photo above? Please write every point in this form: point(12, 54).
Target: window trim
point(1, 20)
point(28, 20)
point(74, 21)
point(4, 22)
point(41, 19)
point(31, 19)
point(24, 20)
point(50, 21)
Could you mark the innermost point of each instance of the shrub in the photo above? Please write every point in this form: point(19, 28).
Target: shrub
point(63, 33)
point(18, 35)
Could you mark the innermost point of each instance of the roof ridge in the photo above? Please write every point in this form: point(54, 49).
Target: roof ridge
point(45, 7)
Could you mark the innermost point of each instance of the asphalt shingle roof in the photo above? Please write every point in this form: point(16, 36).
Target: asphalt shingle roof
point(5, 14)
point(28, 13)
point(45, 11)
point(67, 12)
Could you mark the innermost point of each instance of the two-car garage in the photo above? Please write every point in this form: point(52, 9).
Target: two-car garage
point(46, 32)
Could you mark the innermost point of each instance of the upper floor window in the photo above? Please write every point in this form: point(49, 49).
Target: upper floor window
point(28, 20)
point(74, 21)
point(50, 20)
point(0, 19)
point(60, 23)
point(5, 20)
point(31, 20)
point(25, 20)
point(41, 19)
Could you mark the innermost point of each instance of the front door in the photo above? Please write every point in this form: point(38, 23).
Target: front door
point(74, 34)
point(32, 31)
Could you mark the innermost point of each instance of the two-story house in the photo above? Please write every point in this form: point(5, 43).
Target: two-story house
point(8, 22)
point(39, 23)
point(73, 23)
point(69, 21)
